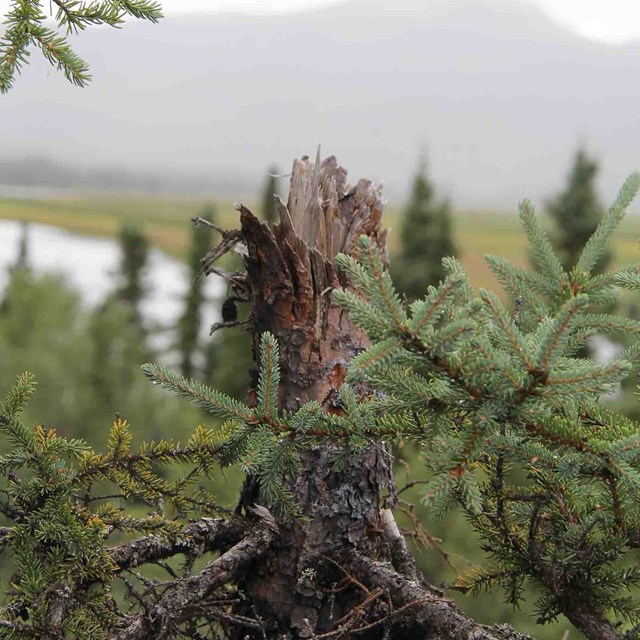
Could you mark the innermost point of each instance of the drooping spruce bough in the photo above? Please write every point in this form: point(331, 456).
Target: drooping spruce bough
point(508, 418)
point(26, 27)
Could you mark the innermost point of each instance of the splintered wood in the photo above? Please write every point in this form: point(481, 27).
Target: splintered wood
point(291, 272)
point(325, 214)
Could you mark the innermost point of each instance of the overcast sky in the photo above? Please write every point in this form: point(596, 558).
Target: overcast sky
point(612, 21)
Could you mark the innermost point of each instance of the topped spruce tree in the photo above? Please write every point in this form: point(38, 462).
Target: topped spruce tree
point(577, 212)
point(425, 238)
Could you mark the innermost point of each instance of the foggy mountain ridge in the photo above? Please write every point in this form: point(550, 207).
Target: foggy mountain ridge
point(499, 93)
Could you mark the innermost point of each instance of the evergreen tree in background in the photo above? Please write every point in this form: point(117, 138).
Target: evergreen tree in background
point(577, 212)
point(22, 259)
point(134, 245)
point(87, 363)
point(425, 239)
point(228, 361)
point(20, 265)
point(190, 323)
point(41, 330)
point(269, 210)
point(116, 330)
point(118, 347)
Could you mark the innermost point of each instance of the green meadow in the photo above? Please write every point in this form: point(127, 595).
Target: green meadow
point(167, 221)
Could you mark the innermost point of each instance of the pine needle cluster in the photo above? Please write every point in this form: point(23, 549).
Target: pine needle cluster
point(26, 28)
point(64, 503)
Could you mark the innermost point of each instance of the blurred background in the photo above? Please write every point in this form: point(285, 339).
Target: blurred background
point(460, 107)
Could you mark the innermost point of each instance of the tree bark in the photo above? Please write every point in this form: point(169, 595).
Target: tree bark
point(427, 615)
point(185, 598)
point(291, 272)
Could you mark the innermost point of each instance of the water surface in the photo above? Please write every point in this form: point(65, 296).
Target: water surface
point(89, 265)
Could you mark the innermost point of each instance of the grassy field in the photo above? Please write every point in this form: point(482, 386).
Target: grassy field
point(167, 223)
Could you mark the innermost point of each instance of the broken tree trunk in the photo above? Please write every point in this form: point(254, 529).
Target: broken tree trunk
point(292, 272)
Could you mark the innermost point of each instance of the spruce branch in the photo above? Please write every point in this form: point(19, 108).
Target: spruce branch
point(516, 280)
point(544, 258)
point(58, 52)
point(216, 403)
point(431, 310)
point(508, 327)
point(179, 602)
point(383, 289)
point(269, 379)
point(598, 241)
point(205, 535)
point(554, 340)
point(25, 28)
point(423, 606)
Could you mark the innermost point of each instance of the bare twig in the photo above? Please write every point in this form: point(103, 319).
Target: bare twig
point(401, 556)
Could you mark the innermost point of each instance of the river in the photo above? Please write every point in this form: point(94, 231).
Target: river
point(89, 264)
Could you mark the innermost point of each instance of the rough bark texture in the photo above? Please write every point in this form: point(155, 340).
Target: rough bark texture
point(419, 611)
point(303, 586)
point(292, 272)
point(592, 623)
point(205, 535)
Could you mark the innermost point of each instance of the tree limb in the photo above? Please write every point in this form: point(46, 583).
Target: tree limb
point(178, 603)
point(591, 622)
point(428, 614)
point(207, 534)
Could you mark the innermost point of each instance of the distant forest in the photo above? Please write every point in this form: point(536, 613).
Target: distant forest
point(44, 172)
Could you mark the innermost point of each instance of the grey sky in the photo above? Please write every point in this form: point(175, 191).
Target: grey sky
point(613, 21)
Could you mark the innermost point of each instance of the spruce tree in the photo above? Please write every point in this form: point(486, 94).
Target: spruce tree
point(22, 260)
point(508, 419)
point(134, 247)
point(229, 361)
point(425, 238)
point(576, 212)
point(190, 323)
point(269, 210)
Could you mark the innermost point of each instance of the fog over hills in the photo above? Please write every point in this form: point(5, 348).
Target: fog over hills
point(500, 94)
